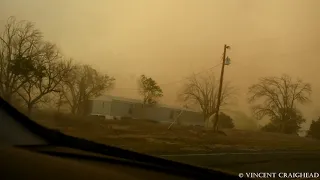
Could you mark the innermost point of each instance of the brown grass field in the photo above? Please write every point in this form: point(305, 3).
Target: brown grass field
point(155, 138)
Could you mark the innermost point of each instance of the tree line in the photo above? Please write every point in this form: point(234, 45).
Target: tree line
point(275, 98)
point(33, 72)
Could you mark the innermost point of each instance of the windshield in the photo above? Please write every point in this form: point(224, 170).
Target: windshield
point(221, 84)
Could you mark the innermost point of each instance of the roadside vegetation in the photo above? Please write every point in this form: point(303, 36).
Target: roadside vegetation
point(35, 76)
point(154, 137)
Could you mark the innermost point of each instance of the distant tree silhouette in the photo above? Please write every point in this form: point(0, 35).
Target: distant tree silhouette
point(314, 130)
point(83, 83)
point(277, 98)
point(149, 90)
point(203, 92)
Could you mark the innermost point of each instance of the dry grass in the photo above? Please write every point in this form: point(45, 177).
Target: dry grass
point(152, 137)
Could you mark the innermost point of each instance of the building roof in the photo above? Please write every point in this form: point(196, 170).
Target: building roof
point(110, 98)
point(176, 107)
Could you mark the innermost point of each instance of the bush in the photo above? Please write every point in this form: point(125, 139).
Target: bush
point(225, 121)
point(314, 130)
point(292, 124)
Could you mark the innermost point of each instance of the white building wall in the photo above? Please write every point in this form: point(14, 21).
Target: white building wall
point(123, 107)
point(100, 107)
point(153, 113)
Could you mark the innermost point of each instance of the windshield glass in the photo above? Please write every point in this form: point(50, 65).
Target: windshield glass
point(221, 84)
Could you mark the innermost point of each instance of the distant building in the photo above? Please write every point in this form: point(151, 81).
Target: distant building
point(111, 106)
point(116, 107)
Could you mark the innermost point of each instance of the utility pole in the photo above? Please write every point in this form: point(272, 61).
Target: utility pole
point(220, 87)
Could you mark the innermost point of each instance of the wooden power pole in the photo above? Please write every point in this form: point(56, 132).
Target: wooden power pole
point(220, 87)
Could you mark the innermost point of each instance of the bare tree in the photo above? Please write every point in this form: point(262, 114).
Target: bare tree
point(277, 98)
point(203, 91)
point(50, 69)
point(149, 90)
point(83, 83)
point(19, 45)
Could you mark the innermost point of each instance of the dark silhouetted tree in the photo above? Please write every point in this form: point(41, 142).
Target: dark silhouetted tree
point(83, 83)
point(203, 91)
point(149, 90)
point(276, 98)
point(50, 69)
point(314, 130)
point(20, 46)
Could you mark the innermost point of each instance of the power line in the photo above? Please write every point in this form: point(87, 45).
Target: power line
point(174, 82)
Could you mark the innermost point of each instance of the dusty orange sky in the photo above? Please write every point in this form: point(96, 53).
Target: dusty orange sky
point(170, 39)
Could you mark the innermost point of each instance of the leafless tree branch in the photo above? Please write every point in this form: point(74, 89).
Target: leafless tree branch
point(277, 97)
point(203, 91)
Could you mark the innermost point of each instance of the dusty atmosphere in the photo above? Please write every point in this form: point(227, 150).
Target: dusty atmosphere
point(222, 84)
point(170, 39)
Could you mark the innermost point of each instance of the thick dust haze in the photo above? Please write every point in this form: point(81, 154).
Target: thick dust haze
point(170, 39)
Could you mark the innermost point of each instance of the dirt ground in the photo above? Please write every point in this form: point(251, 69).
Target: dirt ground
point(155, 138)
